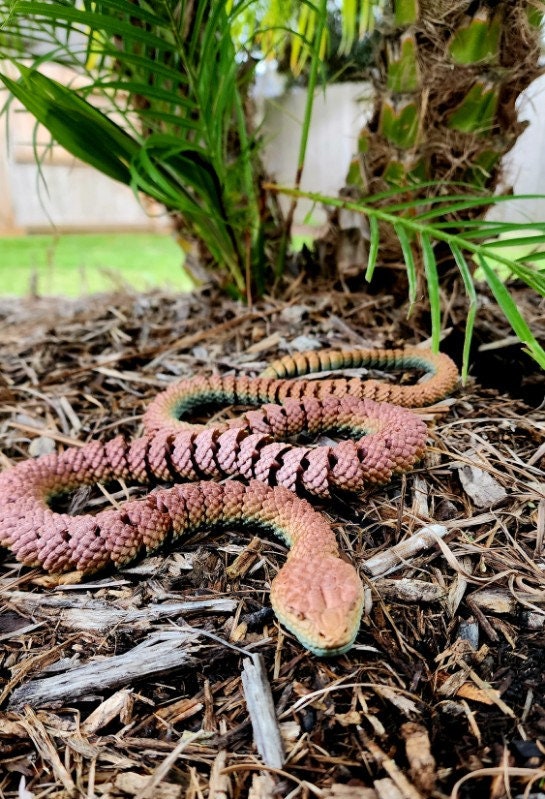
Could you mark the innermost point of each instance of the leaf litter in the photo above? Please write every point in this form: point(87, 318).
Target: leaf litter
point(171, 678)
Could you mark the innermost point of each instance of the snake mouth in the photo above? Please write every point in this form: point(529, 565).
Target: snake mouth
point(328, 652)
point(320, 644)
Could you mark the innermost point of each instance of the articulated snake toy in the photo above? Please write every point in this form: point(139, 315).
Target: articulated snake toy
point(316, 594)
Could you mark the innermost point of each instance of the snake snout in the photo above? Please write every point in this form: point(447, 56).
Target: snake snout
point(319, 598)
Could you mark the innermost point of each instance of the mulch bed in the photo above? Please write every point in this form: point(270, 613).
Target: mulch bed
point(140, 683)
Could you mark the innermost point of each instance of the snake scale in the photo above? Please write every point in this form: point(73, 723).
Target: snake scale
point(316, 595)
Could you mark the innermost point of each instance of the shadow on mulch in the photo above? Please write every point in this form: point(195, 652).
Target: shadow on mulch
point(129, 684)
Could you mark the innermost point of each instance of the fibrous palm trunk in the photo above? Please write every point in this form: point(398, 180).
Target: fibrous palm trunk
point(447, 78)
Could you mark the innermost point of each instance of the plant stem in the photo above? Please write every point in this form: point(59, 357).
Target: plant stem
point(321, 12)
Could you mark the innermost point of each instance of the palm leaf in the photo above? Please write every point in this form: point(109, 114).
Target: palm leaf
point(432, 278)
point(175, 91)
point(512, 313)
point(81, 129)
point(469, 286)
point(417, 232)
point(403, 235)
point(374, 243)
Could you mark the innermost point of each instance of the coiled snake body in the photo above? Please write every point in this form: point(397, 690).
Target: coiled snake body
point(316, 594)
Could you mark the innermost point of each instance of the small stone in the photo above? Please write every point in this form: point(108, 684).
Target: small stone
point(42, 445)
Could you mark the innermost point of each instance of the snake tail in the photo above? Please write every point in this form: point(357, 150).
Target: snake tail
point(441, 371)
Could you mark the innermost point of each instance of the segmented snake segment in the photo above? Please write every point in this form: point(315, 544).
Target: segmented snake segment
point(316, 594)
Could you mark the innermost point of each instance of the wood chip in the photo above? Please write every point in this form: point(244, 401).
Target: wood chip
point(10, 728)
point(47, 749)
point(459, 586)
point(179, 711)
point(420, 506)
point(267, 343)
point(138, 785)
point(399, 781)
point(387, 789)
point(152, 656)
point(484, 490)
point(494, 599)
point(341, 791)
point(244, 562)
point(404, 704)
point(263, 787)
point(409, 590)
point(41, 445)
point(397, 556)
point(220, 784)
point(422, 765)
point(258, 695)
point(115, 705)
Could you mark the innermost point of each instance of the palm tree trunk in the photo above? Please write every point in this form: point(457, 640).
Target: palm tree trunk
point(447, 78)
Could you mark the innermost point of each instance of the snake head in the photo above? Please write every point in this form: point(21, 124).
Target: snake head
point(319, 598)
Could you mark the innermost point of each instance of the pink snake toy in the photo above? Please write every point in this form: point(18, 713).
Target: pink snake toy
point(317, 595)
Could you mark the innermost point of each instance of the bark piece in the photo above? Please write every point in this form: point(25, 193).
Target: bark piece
point(257, 692)
point(153, 656)
point(395, 557)
point(421, 761)
point(83, 613)
point(480, 486)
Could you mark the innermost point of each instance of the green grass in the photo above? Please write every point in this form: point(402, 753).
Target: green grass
point(72, 265)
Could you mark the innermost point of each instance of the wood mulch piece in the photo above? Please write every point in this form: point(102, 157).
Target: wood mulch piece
point(172, 678)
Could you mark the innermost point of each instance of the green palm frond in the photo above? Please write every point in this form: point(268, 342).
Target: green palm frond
point(158, 106)
point(467, 241)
